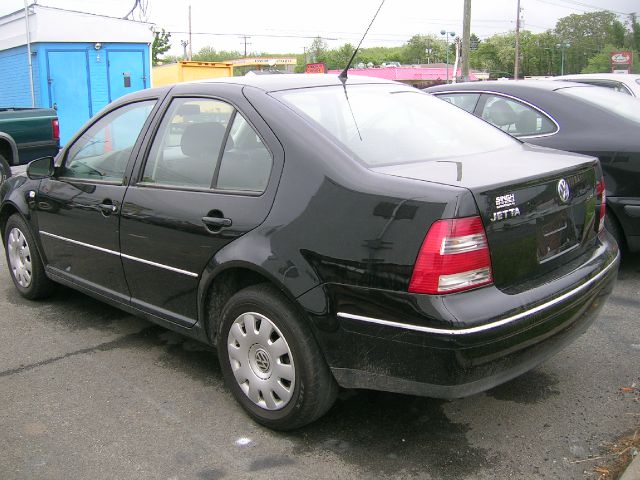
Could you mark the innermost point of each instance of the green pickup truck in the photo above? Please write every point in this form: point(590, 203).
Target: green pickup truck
point(26, 134)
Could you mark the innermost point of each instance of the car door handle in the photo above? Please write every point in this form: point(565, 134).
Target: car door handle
point(216, 222)
point(107, 208)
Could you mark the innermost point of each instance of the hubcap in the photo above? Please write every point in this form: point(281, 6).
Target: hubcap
point(261, 361)
point(19, 258)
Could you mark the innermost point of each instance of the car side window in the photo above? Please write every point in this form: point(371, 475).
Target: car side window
point(613, 85)
point(466, 101)
point(516, 118)
point(187, 145)
point(103, 151)
point(188, 149)
point(246, 162)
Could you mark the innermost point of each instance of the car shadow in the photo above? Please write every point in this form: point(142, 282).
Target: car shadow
point(391, 434)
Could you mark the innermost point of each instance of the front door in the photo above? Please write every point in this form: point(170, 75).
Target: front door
point(199, 189)
point(78, 209)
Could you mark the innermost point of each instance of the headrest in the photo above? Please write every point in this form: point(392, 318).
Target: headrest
point(500, 113)
point(203, 139)
point(188, 109)
point(527, 122)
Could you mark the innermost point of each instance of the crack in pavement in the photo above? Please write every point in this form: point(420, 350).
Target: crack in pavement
point(103, 347)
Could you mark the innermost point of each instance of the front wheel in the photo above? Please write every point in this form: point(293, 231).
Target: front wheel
point(271, 362)
point(25, 264)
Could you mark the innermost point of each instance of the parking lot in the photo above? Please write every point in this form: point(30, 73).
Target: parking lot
point(87, 391)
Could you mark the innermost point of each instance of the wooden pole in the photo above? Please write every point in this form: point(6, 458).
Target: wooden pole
point(190, 39)
point(466, 40)
point(516, 63)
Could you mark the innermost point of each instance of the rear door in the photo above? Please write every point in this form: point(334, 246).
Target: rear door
point(208, 177)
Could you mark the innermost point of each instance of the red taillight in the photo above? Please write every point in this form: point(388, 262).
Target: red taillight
point(55, 129)
point(454, 257)
point(600, 192)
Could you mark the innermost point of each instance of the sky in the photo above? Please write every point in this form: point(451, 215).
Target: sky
point(288, 26)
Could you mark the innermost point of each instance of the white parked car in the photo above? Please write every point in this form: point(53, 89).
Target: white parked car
point(628, 83)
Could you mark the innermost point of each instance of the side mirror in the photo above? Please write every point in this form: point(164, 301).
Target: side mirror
point(41, 168)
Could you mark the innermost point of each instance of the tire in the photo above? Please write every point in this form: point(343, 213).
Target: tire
point(23, 259)
point(5, 169)
point(613, 227)
point(271, 362)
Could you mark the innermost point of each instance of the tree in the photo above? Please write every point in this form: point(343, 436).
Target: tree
point(601, 62)
point(415, 50)
point(338, 58)
point(160, 45)
point(317, 50)
point(210, 54)
point(588, 34)
point(635, 32)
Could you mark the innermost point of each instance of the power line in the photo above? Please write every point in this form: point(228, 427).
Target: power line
point(582, 4)
point(251, 35)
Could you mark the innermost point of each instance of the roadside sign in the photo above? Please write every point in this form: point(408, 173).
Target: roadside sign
point(621, 61)
point(316, 68)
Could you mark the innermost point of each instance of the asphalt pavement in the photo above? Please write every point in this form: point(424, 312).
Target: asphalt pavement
point(88, 391)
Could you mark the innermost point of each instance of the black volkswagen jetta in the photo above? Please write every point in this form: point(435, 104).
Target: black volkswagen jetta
point(319, 234)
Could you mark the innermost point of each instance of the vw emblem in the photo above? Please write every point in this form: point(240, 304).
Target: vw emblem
point(563, 190)
point(262, 361)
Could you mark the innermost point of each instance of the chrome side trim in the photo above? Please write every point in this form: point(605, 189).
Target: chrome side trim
point(159, 265)
point(122, 255)
point(487, 326)
point(82, 244)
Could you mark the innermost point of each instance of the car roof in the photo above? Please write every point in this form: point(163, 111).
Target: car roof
point(621, 77)
point(509, 85)
point(270, 83)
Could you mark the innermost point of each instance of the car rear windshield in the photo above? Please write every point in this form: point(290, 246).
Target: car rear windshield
point(391, 124)
point(607, 100)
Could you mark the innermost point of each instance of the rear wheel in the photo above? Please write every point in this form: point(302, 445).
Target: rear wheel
point(5, 170)
point(271, 362)
point(25, 264)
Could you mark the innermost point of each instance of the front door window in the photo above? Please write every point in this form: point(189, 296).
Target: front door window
point(103, 151)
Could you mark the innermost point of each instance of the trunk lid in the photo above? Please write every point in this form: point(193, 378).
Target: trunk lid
point(538, 205)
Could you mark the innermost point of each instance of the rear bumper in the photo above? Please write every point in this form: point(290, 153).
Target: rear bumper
point(457, 345)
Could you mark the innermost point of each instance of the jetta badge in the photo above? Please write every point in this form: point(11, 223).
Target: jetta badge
point(563, 190)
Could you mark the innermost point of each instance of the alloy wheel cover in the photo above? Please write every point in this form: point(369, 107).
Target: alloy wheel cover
point(261, 361)
point(20, 258)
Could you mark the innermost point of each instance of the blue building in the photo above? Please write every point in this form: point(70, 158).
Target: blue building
point(80, 62)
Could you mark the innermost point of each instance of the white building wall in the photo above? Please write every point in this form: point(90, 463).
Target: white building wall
point(55, 25)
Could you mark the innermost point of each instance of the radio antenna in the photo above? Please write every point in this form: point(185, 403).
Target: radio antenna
point(343, 75)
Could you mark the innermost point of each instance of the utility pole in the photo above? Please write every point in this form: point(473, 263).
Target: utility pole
point(245, 38)
point(26, 19)
point(516, 64)
point(190, 40)
point(466, 40)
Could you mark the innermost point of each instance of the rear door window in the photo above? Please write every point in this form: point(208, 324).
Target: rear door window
point(612, 84)
point(207, 144)
point(516, 118)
